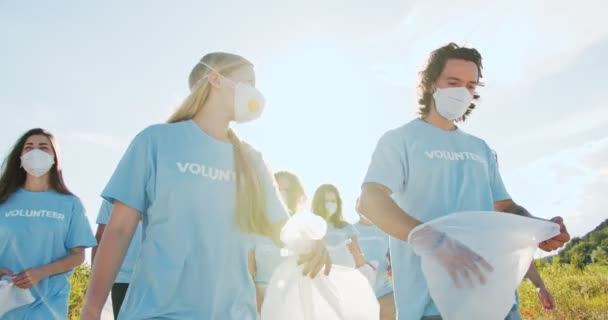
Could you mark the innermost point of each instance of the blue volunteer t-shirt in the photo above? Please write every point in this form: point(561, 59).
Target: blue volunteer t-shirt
point(432, 173)
point(375, 248)
point(193, 258)
point(36, 229)
point(267, 258)
point(337, 241)
point(126, 269)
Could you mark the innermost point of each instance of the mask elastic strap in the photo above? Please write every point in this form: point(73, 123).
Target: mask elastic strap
point(205, 76)
point(210, 67)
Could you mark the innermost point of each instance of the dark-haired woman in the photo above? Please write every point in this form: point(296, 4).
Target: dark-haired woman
point(341, 239)
point(43, 227)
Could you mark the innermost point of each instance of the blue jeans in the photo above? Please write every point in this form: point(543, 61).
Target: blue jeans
point(514, 313)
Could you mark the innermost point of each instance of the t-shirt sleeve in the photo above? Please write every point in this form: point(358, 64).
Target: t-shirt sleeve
point(133, 177)
point(79, 232)
point(351, 231)
point(249, 241)
point(388, 165)
point(276, 209)
point(499, 191)
point(103, 217)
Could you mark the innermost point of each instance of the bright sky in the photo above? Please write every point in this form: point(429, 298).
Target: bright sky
point(336, 74)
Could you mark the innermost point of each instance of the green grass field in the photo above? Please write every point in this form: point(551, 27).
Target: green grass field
point(578, 294)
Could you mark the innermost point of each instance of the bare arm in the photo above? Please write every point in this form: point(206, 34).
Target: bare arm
point(511, 207)
point(251, 263)
point(355, 250)
point(109, 256)
point(98, 235)
point(544, 296)
point(534, 276)
point(69, 262)
point(376, 204)
point(548, 245)
point(28, 278)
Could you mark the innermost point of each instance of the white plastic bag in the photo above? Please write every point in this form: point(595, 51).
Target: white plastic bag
point(12, 297)
point(341, 255)
point(343, 295)
point(370, 272)
point(506, 241)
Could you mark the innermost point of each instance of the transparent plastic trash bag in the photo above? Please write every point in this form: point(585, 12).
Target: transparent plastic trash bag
point(12, 297)
point(506, 241)
point(341, 255)
point(343, 295)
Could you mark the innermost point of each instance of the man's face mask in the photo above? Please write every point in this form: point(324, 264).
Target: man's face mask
point(452, 103)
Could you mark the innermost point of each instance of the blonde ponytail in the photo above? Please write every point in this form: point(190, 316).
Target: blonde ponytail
point(251, 209)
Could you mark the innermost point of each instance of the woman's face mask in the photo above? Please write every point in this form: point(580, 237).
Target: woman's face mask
point(37, 162)
point(331, 207)
point(249, 102)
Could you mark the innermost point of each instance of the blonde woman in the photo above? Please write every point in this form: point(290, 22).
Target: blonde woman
point(265, 254)
point(201, 192)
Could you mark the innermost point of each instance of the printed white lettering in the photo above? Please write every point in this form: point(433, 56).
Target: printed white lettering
point(182, 166)
point(30, 213)
point(195, 168)
point(454, 156)
point(215, 174)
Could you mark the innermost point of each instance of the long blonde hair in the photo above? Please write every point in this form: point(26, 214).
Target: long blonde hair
point(251, 215)
point(295, 193)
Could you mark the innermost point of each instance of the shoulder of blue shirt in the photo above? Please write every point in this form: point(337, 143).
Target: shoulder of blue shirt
point(159, 129)
point(77, 205)
point(412, 128)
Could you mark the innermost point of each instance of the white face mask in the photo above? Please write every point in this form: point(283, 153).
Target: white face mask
point(37, 162)
point(452, 103)
point(249, 102)
point(331, 208)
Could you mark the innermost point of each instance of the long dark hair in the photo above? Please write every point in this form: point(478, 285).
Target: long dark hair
point(318, 206)
point(13, 175)
point(434, 67)
point(295, 191)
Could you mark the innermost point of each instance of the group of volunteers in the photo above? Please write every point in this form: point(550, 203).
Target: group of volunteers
point(191, 230)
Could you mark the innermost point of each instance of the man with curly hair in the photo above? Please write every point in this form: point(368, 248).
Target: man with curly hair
point(429, 168)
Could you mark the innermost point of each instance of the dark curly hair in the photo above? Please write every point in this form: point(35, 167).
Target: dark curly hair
point(433, 69)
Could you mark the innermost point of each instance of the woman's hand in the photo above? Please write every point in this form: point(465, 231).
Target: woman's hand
point(29, 278)
point(315, 260)
point(6, 272)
